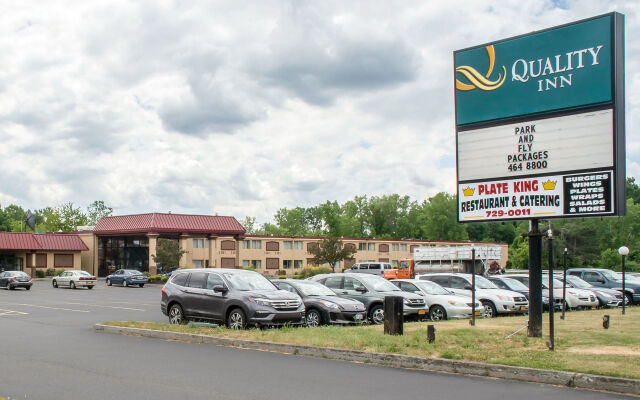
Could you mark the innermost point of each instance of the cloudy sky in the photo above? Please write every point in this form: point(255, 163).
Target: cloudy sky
point(241, 108)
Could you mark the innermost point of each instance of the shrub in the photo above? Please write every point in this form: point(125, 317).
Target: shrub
point(164, 278)
point(153, 278)
point(311, 271)
point(58, 271)
point(49, 272)
point(251, 268)
point(39, 273)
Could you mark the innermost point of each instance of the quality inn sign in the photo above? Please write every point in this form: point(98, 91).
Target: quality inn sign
point(540, 72)
point(540, 124)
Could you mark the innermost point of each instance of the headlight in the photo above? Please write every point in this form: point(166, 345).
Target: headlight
point(260, 301)
point(572, 292)
point(505, 298)
point(329, 304)
point(456, 303)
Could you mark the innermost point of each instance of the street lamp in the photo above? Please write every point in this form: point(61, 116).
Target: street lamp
point(623, 251)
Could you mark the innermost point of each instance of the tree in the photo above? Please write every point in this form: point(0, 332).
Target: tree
point(439, 220)
point(168, 254)
point(97, 210)
point(248, 223)
point(65, 218)
point(330, 251)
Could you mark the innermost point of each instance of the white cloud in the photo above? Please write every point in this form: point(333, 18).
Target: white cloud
point(242, 108)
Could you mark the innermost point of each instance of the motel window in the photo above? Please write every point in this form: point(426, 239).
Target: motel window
point(403, 247)
point(372, 247)
point(198, 243)
point(287, 245)
point(297, 264)
point(395, 247)
point(362, 246)
point(257, 264)
point(256, 244)
point(287, 264)
point(246, 263)
point(197, 263)
point(297, 245)
point(63, 260)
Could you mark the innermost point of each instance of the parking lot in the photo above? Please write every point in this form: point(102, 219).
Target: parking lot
point(48, 350)
point(81, 307)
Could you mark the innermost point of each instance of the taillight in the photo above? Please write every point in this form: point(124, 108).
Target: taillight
point(163, 290)
point(15, 278)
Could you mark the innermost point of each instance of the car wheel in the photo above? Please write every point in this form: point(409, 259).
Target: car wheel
point(125, 283)
point(108, 282)
point(72, 285)
point(313, 318)
point(28, 287)
point(437, 313)
point(628, 298)
point(566, 306)
point(54, 283)
point(237, 319)
point(489, 309)
point(11, 287)
point(142, 285)
point(89, 287)
point(176, 315)
point(376, 315)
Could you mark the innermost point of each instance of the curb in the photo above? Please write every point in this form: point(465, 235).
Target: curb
point(533, 375)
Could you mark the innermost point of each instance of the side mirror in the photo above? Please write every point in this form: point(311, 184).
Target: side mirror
point(468, 287)
point(601, 280)
point(220, 289)
point(361, 290)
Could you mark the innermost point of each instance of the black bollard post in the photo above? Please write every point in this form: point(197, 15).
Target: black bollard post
point(431, 333)
point(393, 316)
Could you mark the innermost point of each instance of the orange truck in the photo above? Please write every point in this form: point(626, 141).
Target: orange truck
point(405, 270)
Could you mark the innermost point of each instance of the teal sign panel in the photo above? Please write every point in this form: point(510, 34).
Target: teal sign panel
point(563, 68)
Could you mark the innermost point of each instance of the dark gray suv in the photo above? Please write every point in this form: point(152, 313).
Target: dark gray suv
point(371, 290)
point(606, 278)
point(238, 298)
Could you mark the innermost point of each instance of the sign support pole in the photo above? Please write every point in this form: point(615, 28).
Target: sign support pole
point(551, 343)
point(473, 287)
point(535, 280)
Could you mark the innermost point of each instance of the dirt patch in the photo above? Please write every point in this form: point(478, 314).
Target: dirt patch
point(614, 350)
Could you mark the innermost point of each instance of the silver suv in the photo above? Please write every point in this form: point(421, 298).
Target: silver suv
point(371, 267)
point(238, 298)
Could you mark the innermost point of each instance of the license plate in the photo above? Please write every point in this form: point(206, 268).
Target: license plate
point(358, 316)
point(523, 308)
point(478, 313)
point(593, 307)
point(421, 312)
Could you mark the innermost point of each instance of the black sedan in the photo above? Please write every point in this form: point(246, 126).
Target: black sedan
point(13, 279)
point(322, 304)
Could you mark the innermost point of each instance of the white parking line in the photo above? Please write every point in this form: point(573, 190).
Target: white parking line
point(4, 312)
point(50, 308)
point(98, 305)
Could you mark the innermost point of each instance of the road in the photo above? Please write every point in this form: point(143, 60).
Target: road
point(48, 350)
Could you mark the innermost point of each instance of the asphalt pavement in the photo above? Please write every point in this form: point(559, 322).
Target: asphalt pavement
point(48, 350)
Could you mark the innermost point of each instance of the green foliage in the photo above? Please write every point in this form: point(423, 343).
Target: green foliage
point(330, 251)
point(311, 271)
point(97, 210)
point(168, 253)
point(248, 223)
point(609, 258)
point(49, 272)
point(39, 273)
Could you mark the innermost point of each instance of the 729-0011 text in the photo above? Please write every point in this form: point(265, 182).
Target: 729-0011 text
point(509, 213)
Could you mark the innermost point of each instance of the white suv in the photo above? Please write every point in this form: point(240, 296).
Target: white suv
point(575, 298)
point(371, 267)
point(495, 300)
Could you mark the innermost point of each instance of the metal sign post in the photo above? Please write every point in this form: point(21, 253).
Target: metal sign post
point(473, 287)
point(535, 280)
point(551, 297)
point(564, 284)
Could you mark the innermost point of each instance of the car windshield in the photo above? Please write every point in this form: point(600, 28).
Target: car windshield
point(378, 284)
point(431, 288)
point(556, 283)
point(483, 283)
point(309, 288)
point(579, 283)
point(514, 284)
point(249, 281)
point(612, 276)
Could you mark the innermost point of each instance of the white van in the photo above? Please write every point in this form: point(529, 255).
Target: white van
point(371, 267)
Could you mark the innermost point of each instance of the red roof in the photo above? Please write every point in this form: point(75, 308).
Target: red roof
point(169, 223)
point(41, 241)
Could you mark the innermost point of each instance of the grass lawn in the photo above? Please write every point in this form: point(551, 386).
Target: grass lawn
point(582, 344)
